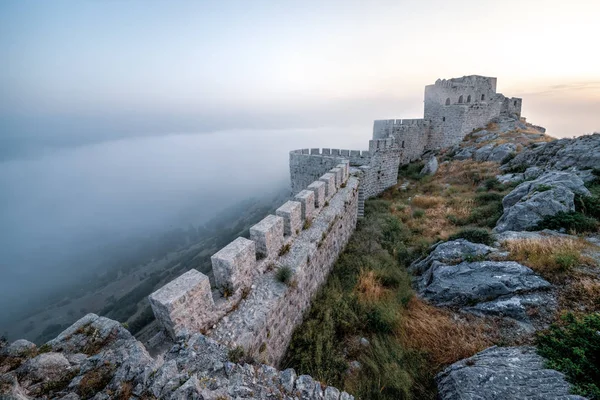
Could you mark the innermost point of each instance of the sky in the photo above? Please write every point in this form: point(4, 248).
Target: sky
point(77, 70)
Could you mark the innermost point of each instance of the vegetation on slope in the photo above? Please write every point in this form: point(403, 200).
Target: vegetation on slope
point(369, 295)
point(573, 347)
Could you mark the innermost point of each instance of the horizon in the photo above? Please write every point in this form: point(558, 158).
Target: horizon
point(96, 71)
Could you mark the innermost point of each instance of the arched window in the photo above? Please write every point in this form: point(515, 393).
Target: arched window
point(468, 98)
point(448, 101)
point(460, 99)
point(482, 97)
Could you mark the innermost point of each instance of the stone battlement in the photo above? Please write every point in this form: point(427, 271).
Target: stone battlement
point(314, 225)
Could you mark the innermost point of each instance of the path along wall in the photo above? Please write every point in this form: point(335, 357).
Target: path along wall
point(249, 307)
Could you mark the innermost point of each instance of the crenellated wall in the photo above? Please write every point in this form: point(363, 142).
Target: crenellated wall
point(248, 306)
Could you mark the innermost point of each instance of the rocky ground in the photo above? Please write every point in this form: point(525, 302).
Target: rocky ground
point(491, 281)
point(97, 358)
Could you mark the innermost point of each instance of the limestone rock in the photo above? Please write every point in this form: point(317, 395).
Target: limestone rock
point(45, 367)
point(501, 151)
point(475, 282)
point(503, 373)
point(581, 153)
point(18, 348)
point(483, 153)
point(430, 167)
point(465, 154)
point(531, 201)
point(453, 251)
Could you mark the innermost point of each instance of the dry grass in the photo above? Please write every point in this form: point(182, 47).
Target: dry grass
point(551, 257)
point(437, 333)
point(581, 293)
point(427, 201)
point(468, 172)
point(369, 287)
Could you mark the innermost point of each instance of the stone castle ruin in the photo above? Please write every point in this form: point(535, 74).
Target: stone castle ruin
point(248, 305)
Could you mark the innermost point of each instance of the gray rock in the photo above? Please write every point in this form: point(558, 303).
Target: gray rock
point(501, 151)
point(510, 178)
point(480, 133)
point(486, 138)
point(45, 367)
point(483, 153)
point(531, 201)
point(331, 393)
point(453, 251)
point(465, 154)
point(19, 348)
point(189, 390)
point(346, 396)
point(518, 307)
point(364, 342)
point(532, 173)
point(287, 378)
point(468, 283)
point(581, 153)
point(503, 373)
point(430, 167)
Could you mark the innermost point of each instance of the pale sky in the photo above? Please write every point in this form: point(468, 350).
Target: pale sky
point(103, 67)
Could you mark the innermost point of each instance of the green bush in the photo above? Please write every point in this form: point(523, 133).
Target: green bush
point(570, 221)
point(284, 275)
point(574, 349)
point(516, 169)
point(411, 171)
point(382, 318)
point(508, 157)
point(418, 213)
point(492, 184)
point(475, 235)
point(588, 205)
point(489, 197)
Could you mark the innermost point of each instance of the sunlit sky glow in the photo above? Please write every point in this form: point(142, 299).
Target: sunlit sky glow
point(94, 67)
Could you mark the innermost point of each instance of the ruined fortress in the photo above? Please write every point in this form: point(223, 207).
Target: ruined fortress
point(247, 305)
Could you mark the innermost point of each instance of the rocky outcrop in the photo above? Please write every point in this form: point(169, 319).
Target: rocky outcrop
point(430, 167)
point(96, 357)
point(503, 373)
point(460, 274)
point(531, 201)
point(580, 153)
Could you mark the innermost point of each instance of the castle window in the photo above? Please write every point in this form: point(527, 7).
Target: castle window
point(448, 101)
point(482, 97)
point(460, 99)
point(443, 119)
point(403, 144)
point(515, 103)
point(468, 98)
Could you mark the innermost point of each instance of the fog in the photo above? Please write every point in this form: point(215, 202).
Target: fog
point(60, 208)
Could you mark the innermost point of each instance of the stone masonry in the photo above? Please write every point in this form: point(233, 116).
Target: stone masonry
point(248, 306)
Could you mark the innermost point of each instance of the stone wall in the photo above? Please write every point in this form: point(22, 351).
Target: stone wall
point(249, 307)
point(411, 135)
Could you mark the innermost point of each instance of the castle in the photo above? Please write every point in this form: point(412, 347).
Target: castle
point(248, 305)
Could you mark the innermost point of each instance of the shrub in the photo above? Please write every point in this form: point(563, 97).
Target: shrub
point(284, 275)
point(588, 205)
point(516, 169)
point(493, 184)
point(382, 318)
point(573, 348)
point(508, 157)
point(489, 197)
point(570, 221)
point(284, 249)
point(475, 235)
point(411, 171)
point(236, 355)
point(307, 224)
point(418, 213)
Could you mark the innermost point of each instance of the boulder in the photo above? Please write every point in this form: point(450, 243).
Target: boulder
point(430, 167)
point(453, 251)
point(45, 367)
point(469, 283)
point(510, 178)
point(503, 373)
point(486, 138)
point(464, 154)
point(501, 151)
point(18, 348)
point(531, 201)
point(483, 153)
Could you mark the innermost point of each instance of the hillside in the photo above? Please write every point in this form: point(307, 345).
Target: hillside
point(482, 253)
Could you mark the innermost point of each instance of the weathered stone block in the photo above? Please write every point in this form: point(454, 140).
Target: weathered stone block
point(345, 171)
point(291, 212)
point(307, 200)
point(234, 263)
point(268, 235)
point(329, 180)
point(185, 302)
point(314, 151)
point(338, 176)
point(318, 188)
